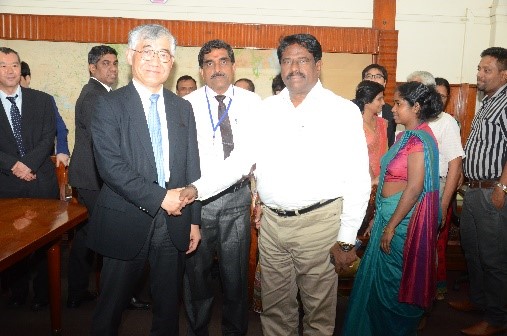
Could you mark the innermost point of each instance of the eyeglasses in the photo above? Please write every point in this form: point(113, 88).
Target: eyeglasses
point(370, 76)
point(221, 62)
point(147, 54)
point(300, 61)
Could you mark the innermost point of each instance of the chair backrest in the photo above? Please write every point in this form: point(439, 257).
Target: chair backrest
point(63, 181)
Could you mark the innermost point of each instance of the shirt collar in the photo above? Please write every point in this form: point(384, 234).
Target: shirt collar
point(497, 93)
point(144, 92)
point(108, 88)
point(211, 93)
point(4, 96)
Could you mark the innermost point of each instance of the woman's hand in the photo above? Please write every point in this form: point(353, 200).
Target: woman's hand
point(385, 242)
point(367, 232)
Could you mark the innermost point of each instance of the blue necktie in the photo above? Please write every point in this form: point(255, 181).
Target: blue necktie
point(156, 139)
point(16, 125)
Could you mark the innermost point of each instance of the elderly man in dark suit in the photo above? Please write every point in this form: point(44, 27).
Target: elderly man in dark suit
point(27, 133)
point(83, 174)
point(145, 143)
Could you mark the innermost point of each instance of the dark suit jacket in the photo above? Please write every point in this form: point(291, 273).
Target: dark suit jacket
point(82, 169)
point(387, 114)
point(38, 130)
point(130, 198)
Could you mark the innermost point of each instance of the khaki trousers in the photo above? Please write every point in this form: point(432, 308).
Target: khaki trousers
point(294, 254)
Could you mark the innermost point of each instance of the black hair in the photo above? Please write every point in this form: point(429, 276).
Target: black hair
point(277, 84)
point(25, 69)
point(185, 77)
point(443, 82)
point(214, 44)
point(251, 85)
point(307, 41)
point(375, 66)
point(6, 50)
point(97, 52)
point(427, 97)
point(366, 92)
point(500, 54)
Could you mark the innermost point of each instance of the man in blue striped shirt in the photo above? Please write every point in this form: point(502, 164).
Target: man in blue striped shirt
point(484, 213)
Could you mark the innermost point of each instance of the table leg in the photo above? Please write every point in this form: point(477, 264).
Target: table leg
point(55, 303)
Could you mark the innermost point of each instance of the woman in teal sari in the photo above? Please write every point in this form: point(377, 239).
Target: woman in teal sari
point(396, 280)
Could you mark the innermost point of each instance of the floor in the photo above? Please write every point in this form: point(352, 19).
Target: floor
point(76, 322)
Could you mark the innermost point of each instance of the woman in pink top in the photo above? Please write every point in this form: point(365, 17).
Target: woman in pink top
point(396, 280)
point(370, 99)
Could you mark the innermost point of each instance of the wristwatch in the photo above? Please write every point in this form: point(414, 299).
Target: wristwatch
point(502, 186)
point(346, 247)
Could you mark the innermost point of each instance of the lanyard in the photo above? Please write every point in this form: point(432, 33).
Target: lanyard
point(213, 126)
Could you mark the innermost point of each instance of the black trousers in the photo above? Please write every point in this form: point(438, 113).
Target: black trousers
point(80, 256)
point(225, 230)
point(119, 278)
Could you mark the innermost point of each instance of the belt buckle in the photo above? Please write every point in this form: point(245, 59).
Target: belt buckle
point(282, 213)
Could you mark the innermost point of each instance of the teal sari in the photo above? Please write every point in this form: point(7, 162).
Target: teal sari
point(392, 290)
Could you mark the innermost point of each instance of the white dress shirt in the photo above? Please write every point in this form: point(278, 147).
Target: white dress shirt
point(145, 95)
point(7, 104)
point(242, 107)
point(306, 154)
point(446, 131)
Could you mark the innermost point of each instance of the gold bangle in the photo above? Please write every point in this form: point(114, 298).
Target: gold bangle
point(385, 230)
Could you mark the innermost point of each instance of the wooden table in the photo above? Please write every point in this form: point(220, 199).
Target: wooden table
point(27, 224)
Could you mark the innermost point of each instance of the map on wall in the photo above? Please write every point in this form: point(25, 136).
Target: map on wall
point(61, 69)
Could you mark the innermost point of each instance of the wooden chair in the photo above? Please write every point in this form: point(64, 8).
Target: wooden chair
point(66, 192)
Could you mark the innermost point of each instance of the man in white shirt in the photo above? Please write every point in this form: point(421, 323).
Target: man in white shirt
point(312, 177)
point(223, 115)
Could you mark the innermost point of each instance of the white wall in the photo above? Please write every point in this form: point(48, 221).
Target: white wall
point(444, 37)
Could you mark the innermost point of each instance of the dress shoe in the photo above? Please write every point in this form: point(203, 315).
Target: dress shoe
point(76, 302)
point(463, 305)
point(38, 305)
point(483, 328)
point(136, 304)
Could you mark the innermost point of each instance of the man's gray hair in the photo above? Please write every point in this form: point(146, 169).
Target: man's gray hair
point(151, 32)
point(422, 77)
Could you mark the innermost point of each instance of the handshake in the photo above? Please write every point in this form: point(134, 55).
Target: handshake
point(176, 199)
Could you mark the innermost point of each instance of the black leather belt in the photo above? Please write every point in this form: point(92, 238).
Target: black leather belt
point(483, 184)
point(233, 188)
point(290, 213)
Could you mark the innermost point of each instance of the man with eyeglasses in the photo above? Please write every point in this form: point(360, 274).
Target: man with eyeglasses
point(224, 116)
point(145, 146)
point(377, 73)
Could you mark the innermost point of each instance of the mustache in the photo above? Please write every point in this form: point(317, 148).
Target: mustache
point(295, 73)
point(217, 74)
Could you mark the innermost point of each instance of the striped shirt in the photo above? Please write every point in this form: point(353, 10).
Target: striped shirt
point(486, 146)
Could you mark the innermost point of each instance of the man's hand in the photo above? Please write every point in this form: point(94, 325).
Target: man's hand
point(195, 238)
point(62, 158)
point(498, 198)
point(172, 203)
point(188, 194)
point(342, 259)
point(23, 172)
